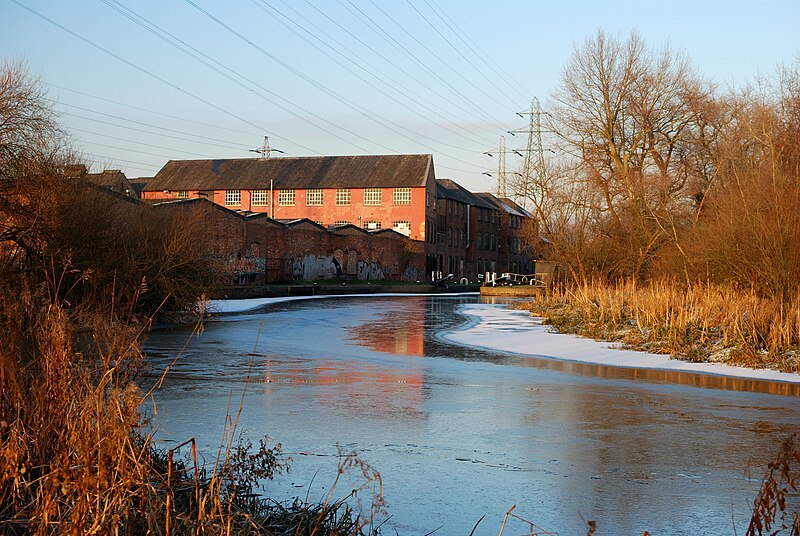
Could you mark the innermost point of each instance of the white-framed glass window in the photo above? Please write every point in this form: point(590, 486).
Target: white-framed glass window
point(233, 198)
point(402, 227)
point(372, 225)
point(341, 222)
point(314, 197)
point(372, 196)
point(342, 196)
point(259, 198)
point(286, 198)
point(401, 196)
point(181, 194)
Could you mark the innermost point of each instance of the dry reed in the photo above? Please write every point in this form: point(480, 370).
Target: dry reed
point(76, 455)
point(699, 322)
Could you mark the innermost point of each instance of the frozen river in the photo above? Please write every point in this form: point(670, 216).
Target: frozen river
point(458, 432)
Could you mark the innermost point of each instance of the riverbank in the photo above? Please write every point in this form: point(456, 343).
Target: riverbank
point(247, 304)
point(702, 322)
point(516, 331)
point(329, 288)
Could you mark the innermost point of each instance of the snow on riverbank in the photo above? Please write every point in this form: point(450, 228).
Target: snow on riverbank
point(510, 330)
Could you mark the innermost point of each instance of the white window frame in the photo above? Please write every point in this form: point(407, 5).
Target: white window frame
point(401, 196)
point(315, 197)
point(339, 223)
point(233, 198)
point(403, 227)
point(259, 198)
point(372, 225)
point(286, 198)
point(372, 196)
point(342, 197)
point(181, 194)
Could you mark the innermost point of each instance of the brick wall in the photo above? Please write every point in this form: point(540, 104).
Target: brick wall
point(260, 250)
point(357, 212)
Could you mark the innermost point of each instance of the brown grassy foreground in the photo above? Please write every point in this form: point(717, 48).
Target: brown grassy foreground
point(699, 322)
point(76, 456)
point(83, 272)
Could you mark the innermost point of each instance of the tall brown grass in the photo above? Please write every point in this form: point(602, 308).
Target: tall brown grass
point(698, 322)
point(77, 455)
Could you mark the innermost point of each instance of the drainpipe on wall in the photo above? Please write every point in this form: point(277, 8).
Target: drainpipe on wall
point(468, 233)
point(271, 203)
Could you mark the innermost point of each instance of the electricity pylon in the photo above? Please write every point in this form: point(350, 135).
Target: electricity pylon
point(533, 160)
point(265, 150)
point(502, 181)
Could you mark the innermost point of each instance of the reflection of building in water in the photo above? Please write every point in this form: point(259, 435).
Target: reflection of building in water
point(400, 331)
point(356, 388)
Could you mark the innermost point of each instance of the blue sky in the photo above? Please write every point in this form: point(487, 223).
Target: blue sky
point(347, 76)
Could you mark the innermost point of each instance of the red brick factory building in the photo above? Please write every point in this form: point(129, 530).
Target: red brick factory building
point(361, 217)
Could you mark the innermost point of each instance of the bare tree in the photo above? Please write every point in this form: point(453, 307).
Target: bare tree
point(626, 118)
point(103, 250)
point(32, 152)
point(28, 128)
point(749, 229)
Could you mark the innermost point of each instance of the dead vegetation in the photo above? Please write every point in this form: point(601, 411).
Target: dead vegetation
point(702, 322)
point(76, 456)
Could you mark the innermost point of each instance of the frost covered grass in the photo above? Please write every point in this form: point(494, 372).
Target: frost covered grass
point(697, 323)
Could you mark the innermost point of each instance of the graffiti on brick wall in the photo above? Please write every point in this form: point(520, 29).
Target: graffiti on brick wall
point(313, 267)
point(323, 267)
point(245, 270)
point(246, 265)
point(411, 273)
point(370, 271)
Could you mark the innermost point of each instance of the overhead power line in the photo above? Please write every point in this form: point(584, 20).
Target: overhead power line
point(480, 54)
point(424, 102)
point(369, 73)
point(447, 64)
point(139, 143)
point(127, 149)
point(228, 144)
point(163, 114)
point(236, 77)
point(386, 123)
point(155, 76)
point(389, 38)
point(142, 165)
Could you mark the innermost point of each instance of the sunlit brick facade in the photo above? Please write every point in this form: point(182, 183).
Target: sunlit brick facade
point(372, 192)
